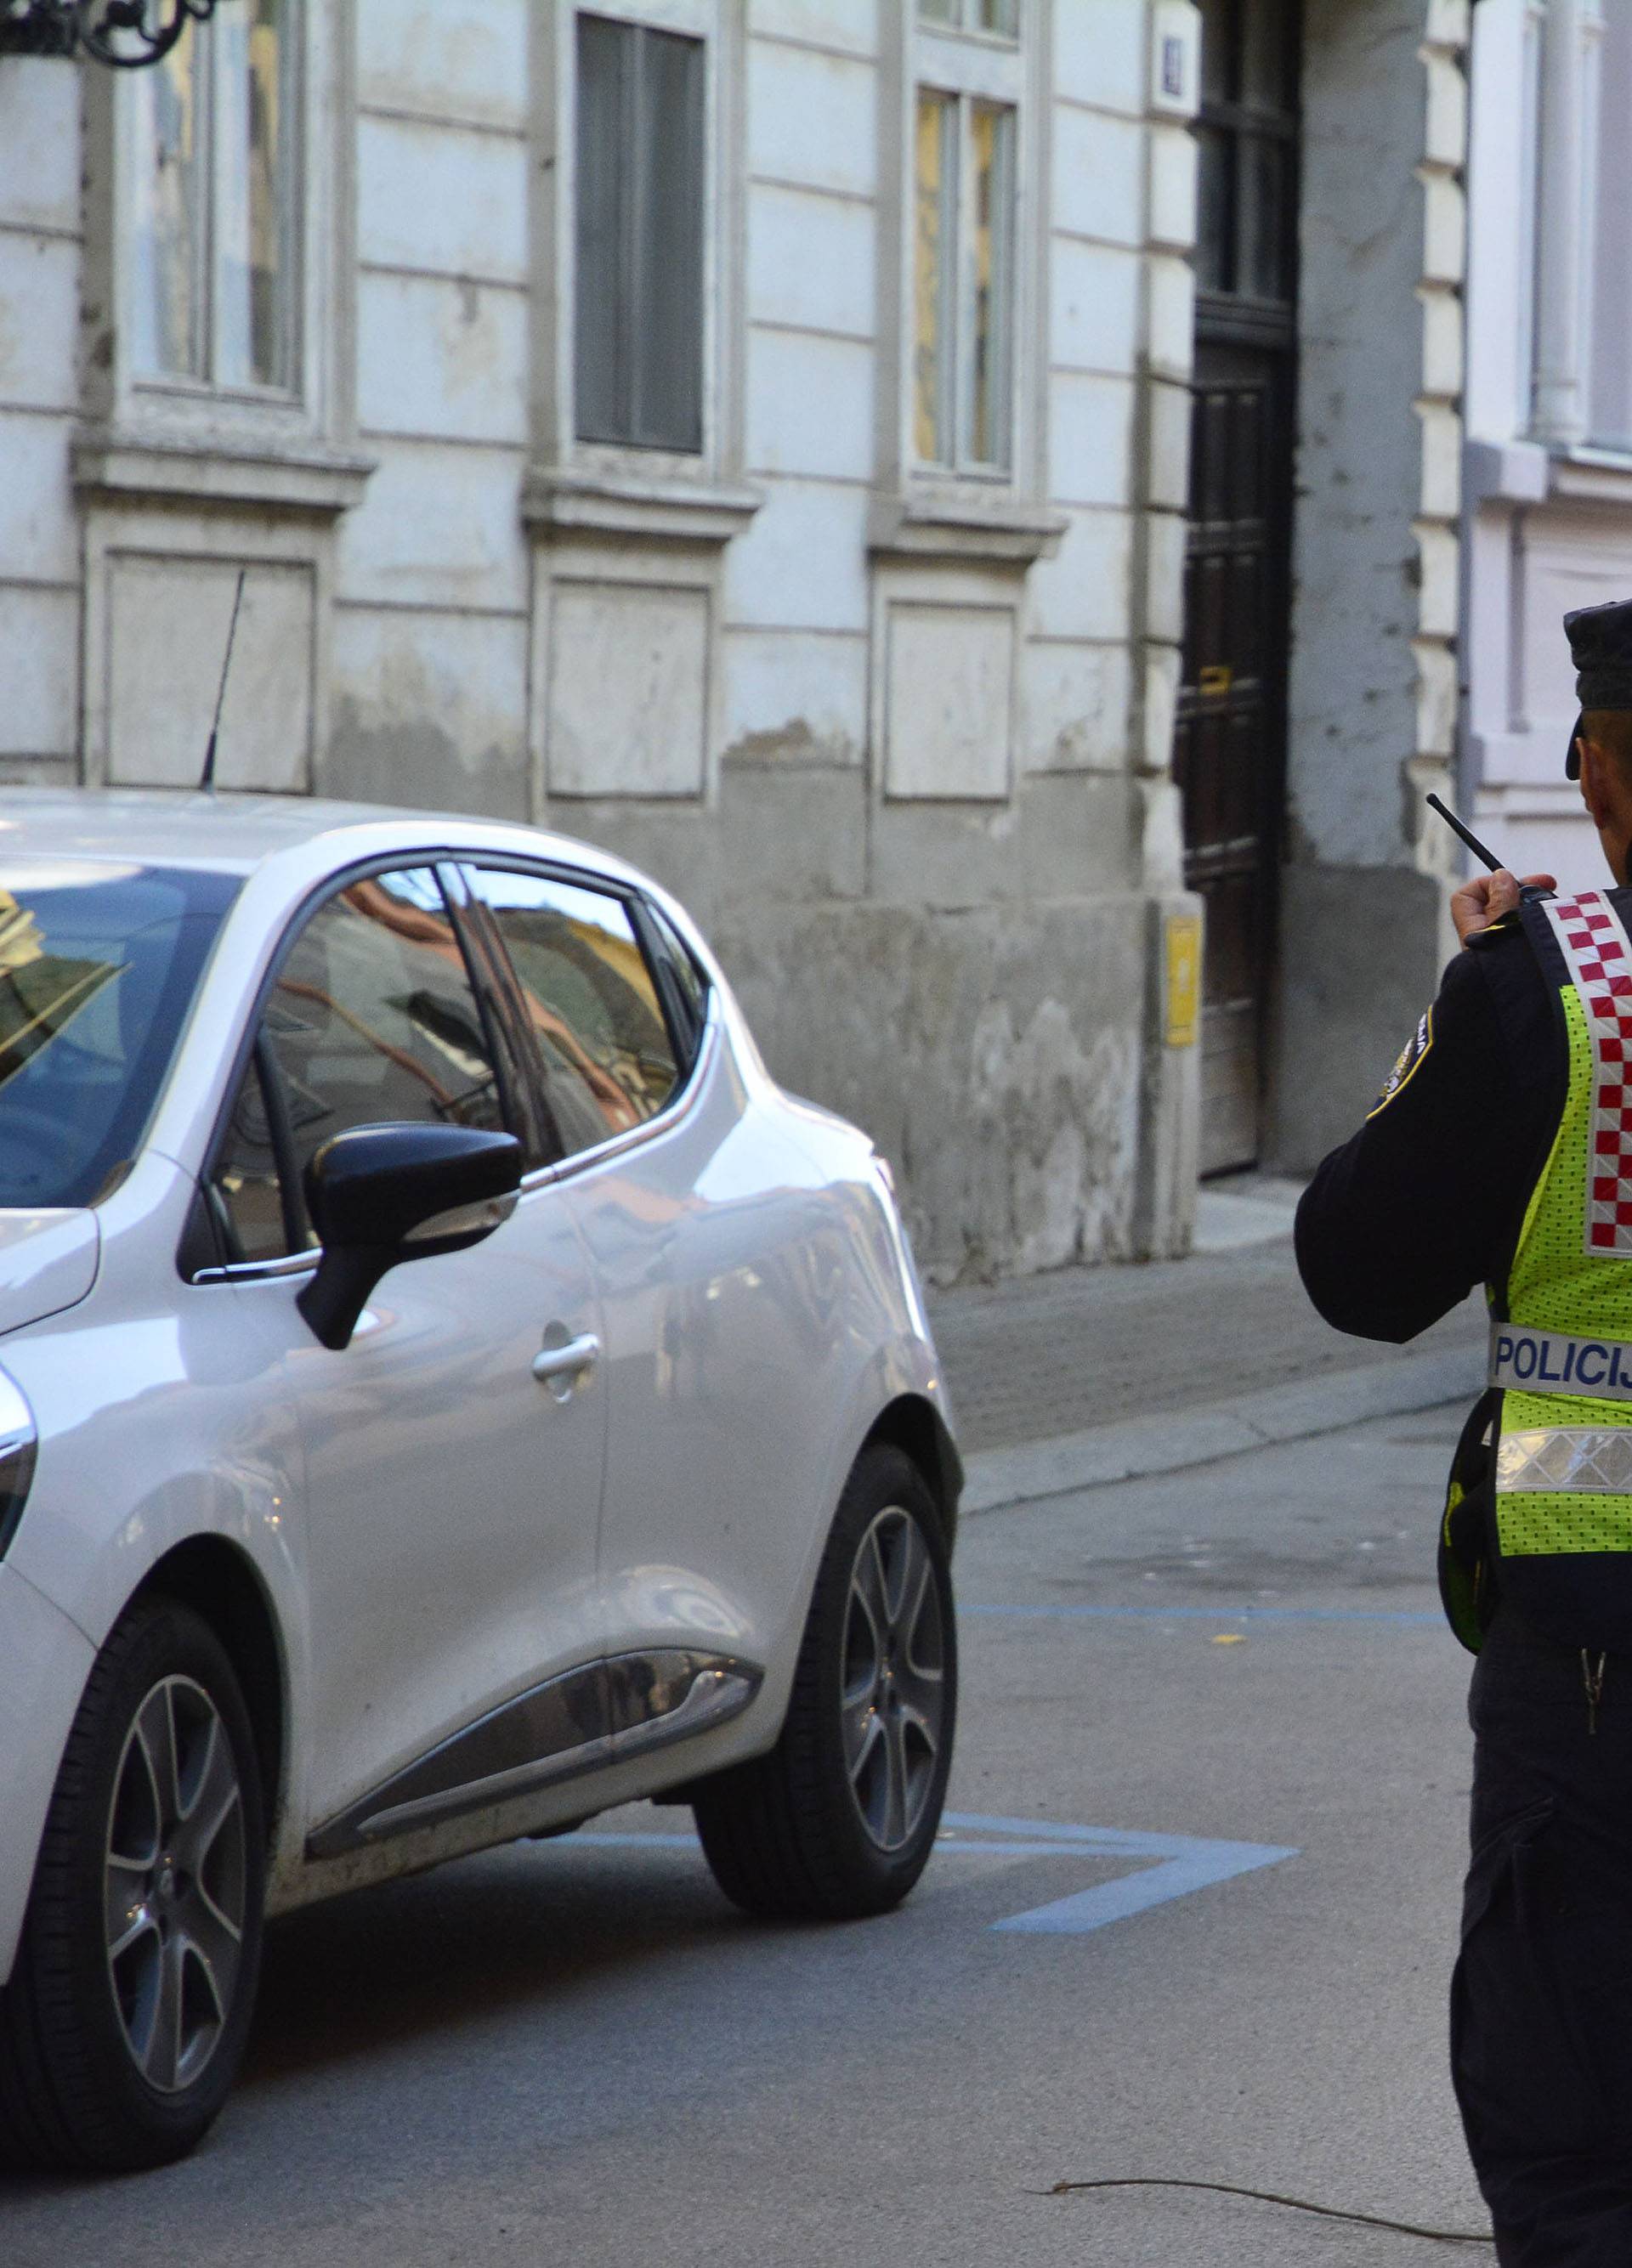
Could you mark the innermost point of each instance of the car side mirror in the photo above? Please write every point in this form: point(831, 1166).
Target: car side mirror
point(380, 1194)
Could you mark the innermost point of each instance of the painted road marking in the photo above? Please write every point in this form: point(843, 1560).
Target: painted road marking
point(1186, 1863)
point(1404, 1618)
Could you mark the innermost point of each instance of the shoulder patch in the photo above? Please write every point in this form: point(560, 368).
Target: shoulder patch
point(1410, 1061)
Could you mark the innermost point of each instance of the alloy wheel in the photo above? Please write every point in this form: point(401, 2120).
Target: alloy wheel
point(893, 1695)
point(176, 1884)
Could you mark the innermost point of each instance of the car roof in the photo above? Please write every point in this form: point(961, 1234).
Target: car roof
point(235, 834)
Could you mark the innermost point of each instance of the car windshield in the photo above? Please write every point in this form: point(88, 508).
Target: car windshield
point(99, 963)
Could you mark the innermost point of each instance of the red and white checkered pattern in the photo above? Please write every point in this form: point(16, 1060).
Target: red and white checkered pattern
point(1600, 957)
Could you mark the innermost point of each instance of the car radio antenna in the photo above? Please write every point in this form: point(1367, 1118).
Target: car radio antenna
point(207, 781)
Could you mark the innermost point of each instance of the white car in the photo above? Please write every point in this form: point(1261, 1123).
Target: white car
point(446, 1389)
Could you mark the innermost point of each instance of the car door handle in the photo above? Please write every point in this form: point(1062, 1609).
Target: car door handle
point(558, 1367)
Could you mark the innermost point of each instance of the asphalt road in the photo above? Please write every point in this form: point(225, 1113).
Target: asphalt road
point(577, 2054)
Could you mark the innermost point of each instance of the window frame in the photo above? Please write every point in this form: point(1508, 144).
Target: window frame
point(961, 27)
point(315, 414)
point(969, 69)
point(1605, 324)
point(1238, 122)
point(967, 511)
point(208, 42)
point(557, 445)
point(956, 375)
point(635, 260)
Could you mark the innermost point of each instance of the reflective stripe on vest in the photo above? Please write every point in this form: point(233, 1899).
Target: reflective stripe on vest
point(1563, 1357)
point(1591, 1460)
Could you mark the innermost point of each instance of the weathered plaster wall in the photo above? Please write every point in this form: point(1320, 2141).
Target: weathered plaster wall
point(918, 795)
point(994, 1052)
point(39, 534)
point(433, 569)
point(1373, 684)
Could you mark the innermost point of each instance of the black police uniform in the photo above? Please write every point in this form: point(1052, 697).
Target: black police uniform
point(1426, 1201)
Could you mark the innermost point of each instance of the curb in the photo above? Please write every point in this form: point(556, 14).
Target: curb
point(1138, 1448)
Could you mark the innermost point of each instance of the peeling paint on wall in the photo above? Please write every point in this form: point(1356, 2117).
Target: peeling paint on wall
point(795, 742)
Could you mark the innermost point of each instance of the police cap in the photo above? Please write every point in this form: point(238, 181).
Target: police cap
point(1600, 646)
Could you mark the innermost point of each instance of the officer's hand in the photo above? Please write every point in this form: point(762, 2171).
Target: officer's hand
point(1489, 896)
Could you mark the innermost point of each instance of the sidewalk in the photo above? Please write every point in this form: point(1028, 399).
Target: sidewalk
point(1096, 1375)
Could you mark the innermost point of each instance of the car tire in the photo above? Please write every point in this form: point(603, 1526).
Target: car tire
point(124, 2022)
point(838, 1820)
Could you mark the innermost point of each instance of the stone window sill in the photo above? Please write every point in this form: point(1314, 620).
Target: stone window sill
point(983, 527)
point(140, 467)
point(1526, 472)
point(1592, 476)
point(560, 500)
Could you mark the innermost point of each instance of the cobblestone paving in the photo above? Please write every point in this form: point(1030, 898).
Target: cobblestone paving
point(1086, 1346)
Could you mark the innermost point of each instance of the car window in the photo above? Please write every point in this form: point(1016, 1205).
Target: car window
point(248, 1189)
point(373, 1020)
point(587, 996)
point(98, 965)
point(689, 984)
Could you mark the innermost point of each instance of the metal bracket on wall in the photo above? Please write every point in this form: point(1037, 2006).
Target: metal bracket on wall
point(124, 34)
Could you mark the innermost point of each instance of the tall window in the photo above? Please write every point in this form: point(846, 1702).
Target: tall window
point(1000, 15)
point(217, 182)
point(1247, 199)
point(639, 235)
point(963, 248)
point(1607, 167)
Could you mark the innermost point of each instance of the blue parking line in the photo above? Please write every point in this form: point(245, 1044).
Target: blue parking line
point(632, 1842)
point(1107, 1842)
point(1402, 1617)
point(1153, 1886)
point(1187, 1863)
point(956, 1846)
point(1184, 1863)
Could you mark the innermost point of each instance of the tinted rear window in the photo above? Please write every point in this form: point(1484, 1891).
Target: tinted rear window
point(98, 964)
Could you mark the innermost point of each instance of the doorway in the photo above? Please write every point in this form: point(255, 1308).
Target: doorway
point(1230, 751)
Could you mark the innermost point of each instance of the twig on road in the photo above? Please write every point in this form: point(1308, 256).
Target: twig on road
point(1271, 2197)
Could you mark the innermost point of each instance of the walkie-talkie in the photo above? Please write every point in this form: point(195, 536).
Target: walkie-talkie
point(1530, 893)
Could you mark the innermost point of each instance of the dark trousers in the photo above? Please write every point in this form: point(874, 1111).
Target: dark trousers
point(1541, 2001)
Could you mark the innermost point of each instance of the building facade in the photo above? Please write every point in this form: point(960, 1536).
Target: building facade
point(1375, 618)
point(802, 445)
point(1549, 404)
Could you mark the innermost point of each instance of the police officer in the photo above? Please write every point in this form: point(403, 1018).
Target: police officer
point(1500, 1151)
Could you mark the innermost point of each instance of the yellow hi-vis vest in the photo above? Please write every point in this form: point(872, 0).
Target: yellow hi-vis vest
point(1553, 1456)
